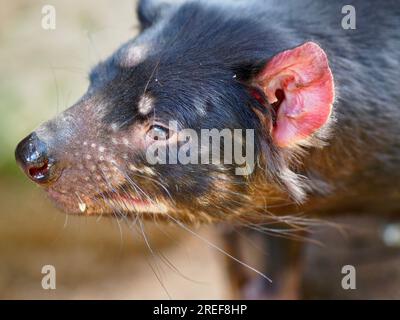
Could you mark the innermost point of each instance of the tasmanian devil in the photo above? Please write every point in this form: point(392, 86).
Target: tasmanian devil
point(321, 99)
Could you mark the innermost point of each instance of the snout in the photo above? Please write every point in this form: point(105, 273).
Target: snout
point(32, 155)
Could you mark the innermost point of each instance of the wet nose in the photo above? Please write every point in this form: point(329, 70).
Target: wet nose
point(33, 157)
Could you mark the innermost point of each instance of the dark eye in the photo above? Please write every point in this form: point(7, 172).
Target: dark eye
point(158, 132)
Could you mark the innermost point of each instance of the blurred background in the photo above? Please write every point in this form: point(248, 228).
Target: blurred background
point(45, 71)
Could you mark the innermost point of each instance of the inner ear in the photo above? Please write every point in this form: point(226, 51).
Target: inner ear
point(298, 85)
point(271, 110)
point(280, 96)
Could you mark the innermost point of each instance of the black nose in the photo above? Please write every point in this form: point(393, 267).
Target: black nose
point(32, 156)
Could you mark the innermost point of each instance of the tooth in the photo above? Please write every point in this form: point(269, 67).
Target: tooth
point(82, 207)
point(133, 167)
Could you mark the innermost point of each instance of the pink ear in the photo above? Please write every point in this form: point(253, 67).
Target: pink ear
point(304, 76)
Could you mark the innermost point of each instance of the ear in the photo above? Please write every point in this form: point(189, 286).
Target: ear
point(149, 11)
point(299, 84)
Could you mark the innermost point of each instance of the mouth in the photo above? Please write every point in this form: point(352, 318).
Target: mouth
point(106, 203)
point(128, 203)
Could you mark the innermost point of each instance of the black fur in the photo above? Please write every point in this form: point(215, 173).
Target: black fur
point(204, 53)
point(199, 64)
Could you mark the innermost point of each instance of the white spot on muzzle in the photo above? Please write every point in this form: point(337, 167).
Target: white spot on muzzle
point(114, 127)
point(82, 207)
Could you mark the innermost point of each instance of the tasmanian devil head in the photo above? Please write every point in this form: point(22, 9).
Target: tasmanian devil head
point(194, 67)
